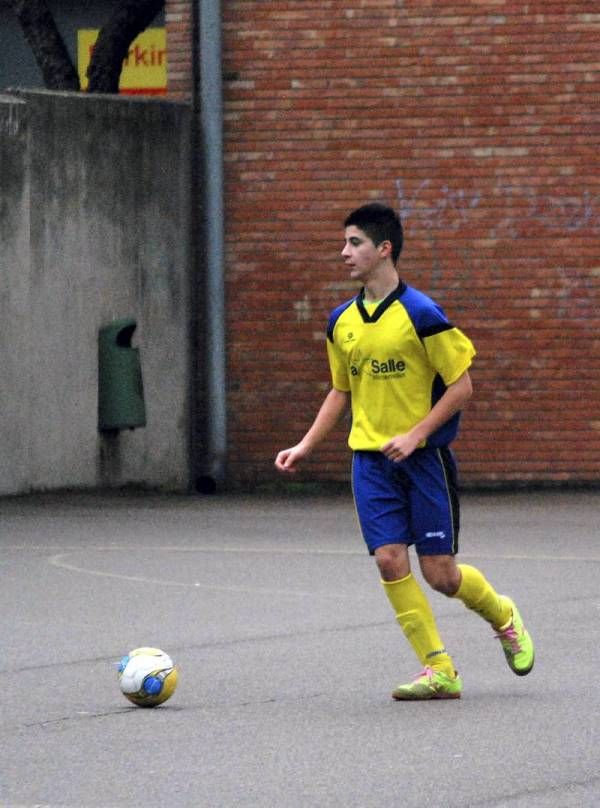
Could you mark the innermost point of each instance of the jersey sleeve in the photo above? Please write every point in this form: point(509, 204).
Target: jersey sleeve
point(450, 352)
point(337, 367)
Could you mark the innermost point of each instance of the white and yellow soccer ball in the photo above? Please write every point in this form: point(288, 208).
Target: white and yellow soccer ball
point(147, 676)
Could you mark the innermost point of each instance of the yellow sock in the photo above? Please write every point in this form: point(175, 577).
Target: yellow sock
point(478, 594)
point(416, 619)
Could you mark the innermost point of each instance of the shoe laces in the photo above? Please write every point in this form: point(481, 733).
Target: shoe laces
point(426, 673)
point(510, 638)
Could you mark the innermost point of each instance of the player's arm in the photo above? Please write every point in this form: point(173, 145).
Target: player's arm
point(333, 407)
point(453, 400)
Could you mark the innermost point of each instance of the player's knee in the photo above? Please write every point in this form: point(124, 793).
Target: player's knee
point(392, 565)
point(386, 568)
point(445, 586)
point(444, 578)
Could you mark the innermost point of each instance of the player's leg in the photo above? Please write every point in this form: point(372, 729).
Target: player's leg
point(470, 585)
point(438, 679)
point(462, 581)
point(411, 607)
point(476, 592)
point(432, 510)
point(381, 505)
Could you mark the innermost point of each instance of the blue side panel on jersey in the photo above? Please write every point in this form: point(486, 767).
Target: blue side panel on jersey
point(429, 318)
point(335, 315)
point(446, 433)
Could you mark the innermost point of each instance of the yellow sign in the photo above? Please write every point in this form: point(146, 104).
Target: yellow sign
point(145, 68)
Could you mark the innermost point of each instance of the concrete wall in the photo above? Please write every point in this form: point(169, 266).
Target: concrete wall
point(94, 226)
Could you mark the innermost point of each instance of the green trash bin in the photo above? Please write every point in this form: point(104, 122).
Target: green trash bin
point(120, 388)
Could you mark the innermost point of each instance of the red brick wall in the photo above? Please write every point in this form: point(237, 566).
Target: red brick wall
point(179, 22)
point(479, 122)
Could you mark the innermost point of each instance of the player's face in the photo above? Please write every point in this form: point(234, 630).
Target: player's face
point(361, 255)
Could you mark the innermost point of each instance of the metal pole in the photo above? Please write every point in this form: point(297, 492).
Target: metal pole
point(211, 145)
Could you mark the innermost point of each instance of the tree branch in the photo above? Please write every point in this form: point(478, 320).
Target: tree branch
point(131, 18)
point(47, 44)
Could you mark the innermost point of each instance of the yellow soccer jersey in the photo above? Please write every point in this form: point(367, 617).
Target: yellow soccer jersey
point(396, 360)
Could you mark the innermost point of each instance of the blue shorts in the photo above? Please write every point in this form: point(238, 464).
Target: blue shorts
point(411, 502)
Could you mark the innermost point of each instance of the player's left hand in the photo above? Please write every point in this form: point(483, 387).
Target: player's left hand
point(400, 447)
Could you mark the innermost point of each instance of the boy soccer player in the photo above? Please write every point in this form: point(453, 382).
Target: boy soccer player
point(404, 370)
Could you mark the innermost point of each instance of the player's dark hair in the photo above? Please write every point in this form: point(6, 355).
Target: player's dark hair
point(380, 223)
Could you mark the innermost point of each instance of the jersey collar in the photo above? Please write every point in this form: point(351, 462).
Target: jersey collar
point(382, 307)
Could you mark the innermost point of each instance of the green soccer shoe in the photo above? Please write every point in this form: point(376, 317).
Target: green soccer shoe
point(516, 643)
point(429, 684)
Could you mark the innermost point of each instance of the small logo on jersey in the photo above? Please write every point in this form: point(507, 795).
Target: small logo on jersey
point(356, 360)
point(389, 367)
point(350, 337)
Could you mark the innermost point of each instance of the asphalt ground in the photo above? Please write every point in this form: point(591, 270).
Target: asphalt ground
point(287, 652)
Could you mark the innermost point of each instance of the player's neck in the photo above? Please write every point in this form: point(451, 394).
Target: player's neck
point(381, 285)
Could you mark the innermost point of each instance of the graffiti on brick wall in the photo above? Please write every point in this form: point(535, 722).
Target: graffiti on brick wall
point(438, 207)
point(523, 211)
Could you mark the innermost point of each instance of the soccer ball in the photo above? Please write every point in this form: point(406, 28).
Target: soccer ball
point(147, 676)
